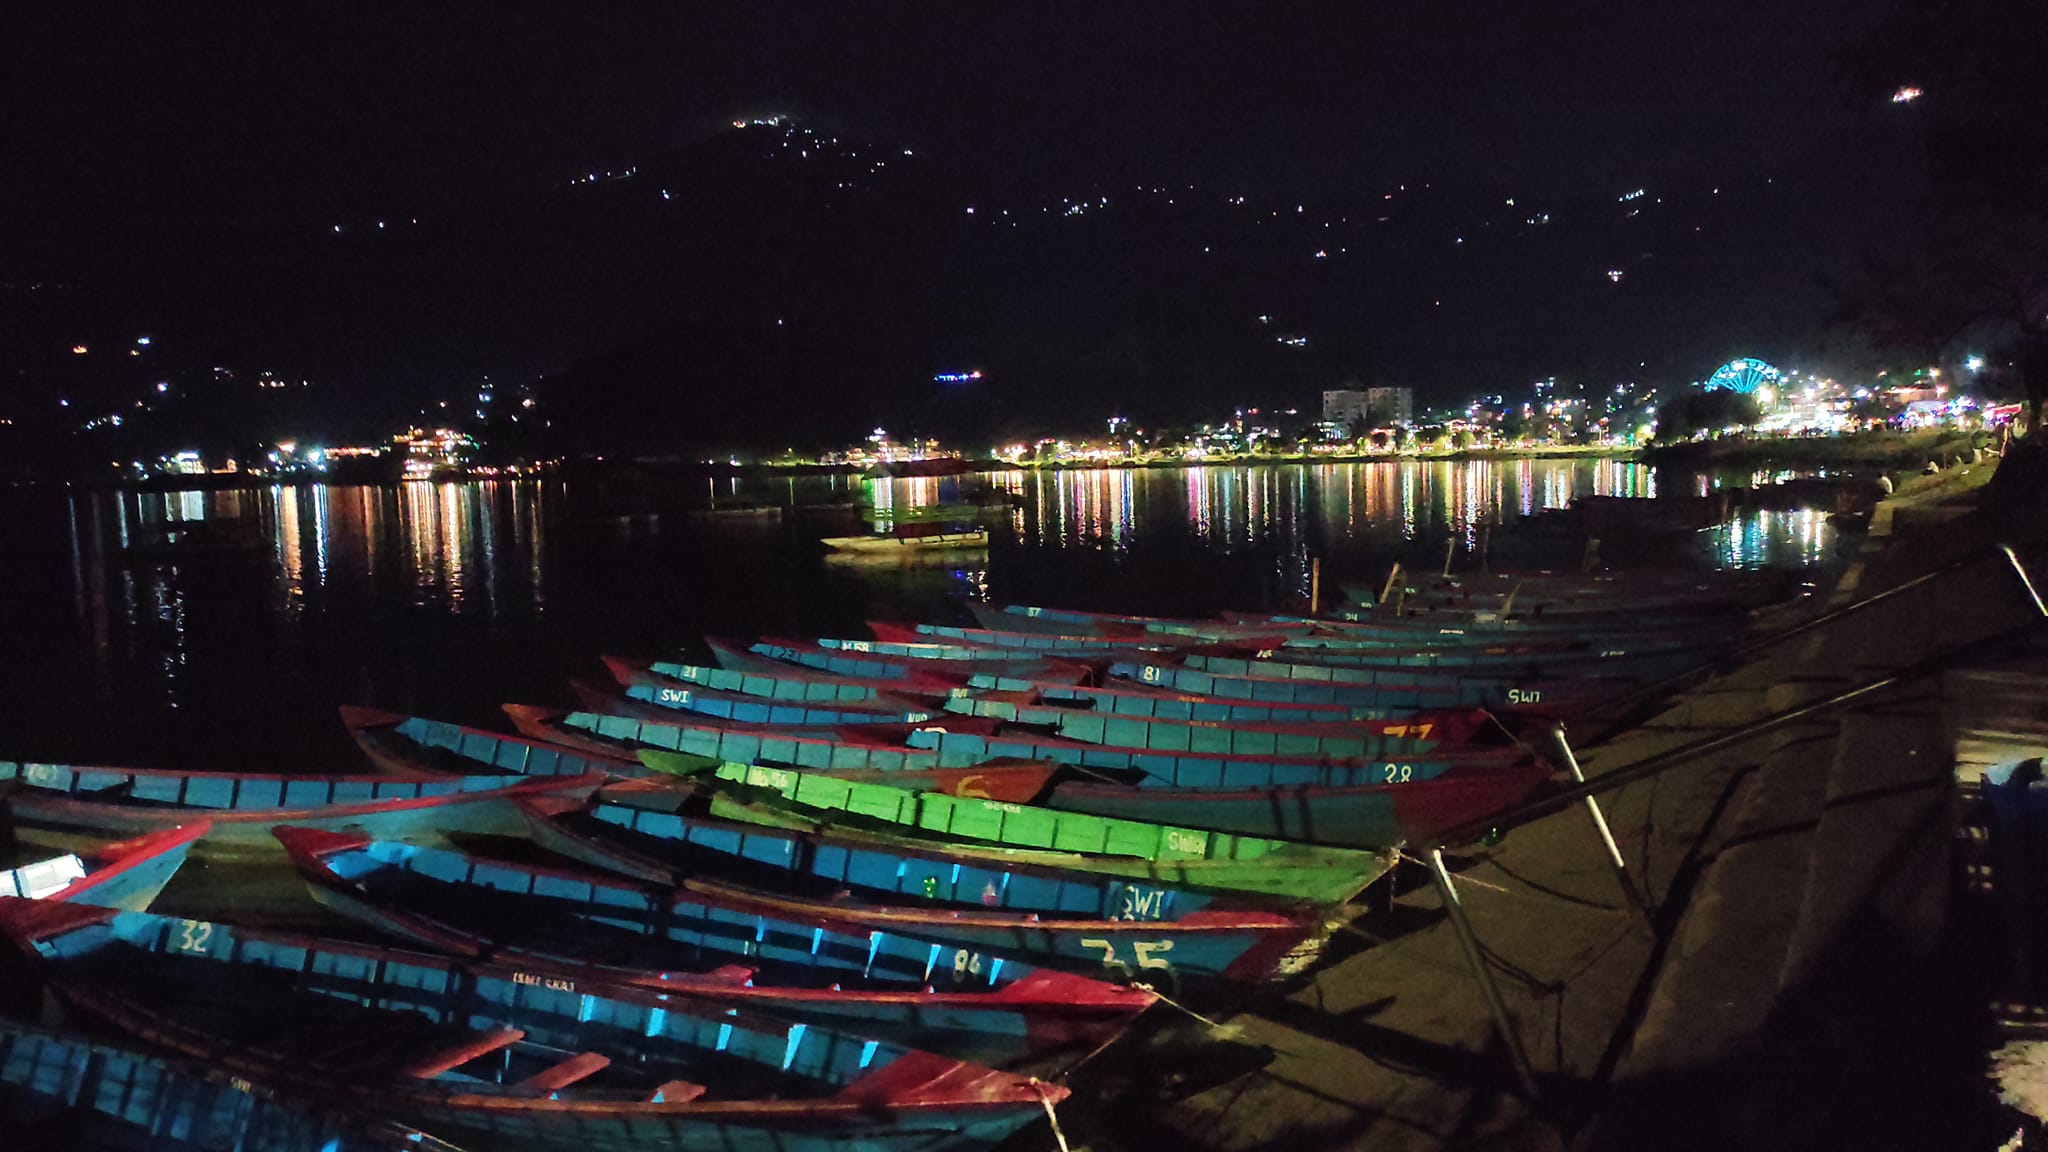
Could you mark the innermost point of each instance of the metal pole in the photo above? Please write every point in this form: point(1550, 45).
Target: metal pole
point(1450, 546)
point(1315, 585)
point(2025, 581)
point(1393, 574)
point(1614, 857)
point(1476, 960)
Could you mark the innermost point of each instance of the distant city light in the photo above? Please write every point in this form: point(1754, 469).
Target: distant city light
point(163, 386)
point(1615, 275)
point(1906, 95)
point(142, 340)
point(957, 377)
point(1974, 363)
point(1625, 197)
point(79, 349)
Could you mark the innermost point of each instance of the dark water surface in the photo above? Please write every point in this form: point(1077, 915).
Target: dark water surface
point(449, 599)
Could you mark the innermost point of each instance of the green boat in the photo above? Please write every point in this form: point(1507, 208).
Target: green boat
point(1026, 835)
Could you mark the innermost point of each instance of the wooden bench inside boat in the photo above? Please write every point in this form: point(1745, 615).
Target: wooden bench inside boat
point(451, 1058)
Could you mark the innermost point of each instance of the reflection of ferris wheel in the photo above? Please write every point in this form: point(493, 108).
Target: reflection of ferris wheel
point(1745, 376)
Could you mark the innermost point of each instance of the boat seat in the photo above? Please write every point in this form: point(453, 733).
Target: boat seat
point(559, 1076)
point(449, 1059)
point(675, 1092)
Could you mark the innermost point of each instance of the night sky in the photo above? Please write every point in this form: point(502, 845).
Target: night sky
point(179, 172)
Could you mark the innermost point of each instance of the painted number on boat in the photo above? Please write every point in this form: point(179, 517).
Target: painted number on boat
point(551, 982)
point(673, 695)
point(965, 964)
point(193, 935)
point(1525, 696)
point(1150, 673)
point(1142, 903)
point(1399, 773)
point(1418, 731)
point(1146, 952)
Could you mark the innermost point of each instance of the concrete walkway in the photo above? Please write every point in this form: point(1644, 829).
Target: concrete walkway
point(1763, 864)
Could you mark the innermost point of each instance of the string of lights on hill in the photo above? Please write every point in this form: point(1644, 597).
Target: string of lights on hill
point(867, 282)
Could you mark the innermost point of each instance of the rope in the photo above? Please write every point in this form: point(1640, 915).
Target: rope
point(1228, 1030)
point(1461, 879)
point(1045, 1101)
point(1497, 722)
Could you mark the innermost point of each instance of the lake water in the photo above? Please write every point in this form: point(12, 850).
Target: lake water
point(448, 599)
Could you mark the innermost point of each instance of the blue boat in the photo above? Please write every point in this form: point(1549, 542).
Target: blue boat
point(416, 745)
point(655, 844)
point(1545, 695)
point(239, 808)
point(650, 699)
point(789, 685)
point(1175, 769)
point(1302, 740)
point(98, 1095)
point(126, 875)
point(475, 1051)
point(767, 654)
point(992, 695)
point(593, 925)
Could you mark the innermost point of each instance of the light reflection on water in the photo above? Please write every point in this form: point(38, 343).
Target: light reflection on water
point(1233, 505)
point(483, 547)
point(218, 623)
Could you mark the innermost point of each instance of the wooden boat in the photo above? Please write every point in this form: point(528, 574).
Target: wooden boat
point(1151, 768)
point(239, 808)
point(1338, 671)
point(648, 839)
point(1533, 698)
point(911, 538)
point(992, 695)
point(1365, 816)
point(1054, 643)
point(415, 744)
point(1338, 739)
point(772, 654)
point(629, 736)
point(126, 875)
point(1061, 621)
point(479, 1051)
point(792, 685)
point(1489, 627)
point(567, 922)
point(1610, 664)
point(648, 698)
point(994, 831)
point(954, 652)
point(94, 1094)
point(929, 749)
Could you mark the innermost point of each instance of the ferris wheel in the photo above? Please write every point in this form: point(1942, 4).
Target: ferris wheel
point(1744, 375)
